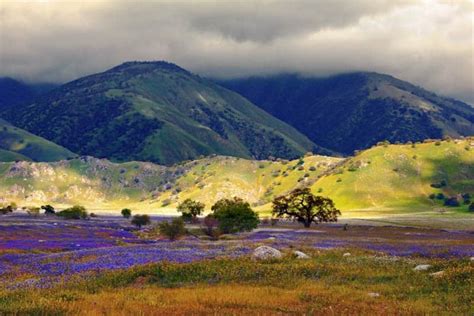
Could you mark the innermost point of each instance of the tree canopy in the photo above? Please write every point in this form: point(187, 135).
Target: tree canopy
point(307, 208)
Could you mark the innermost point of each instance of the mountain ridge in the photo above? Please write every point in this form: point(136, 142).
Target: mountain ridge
point(353, 111)
point(156, 111)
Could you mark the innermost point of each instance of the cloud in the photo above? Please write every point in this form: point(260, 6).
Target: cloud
point(429, 43)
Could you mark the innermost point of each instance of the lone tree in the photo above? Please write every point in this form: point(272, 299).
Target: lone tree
point(126, 212)
point(190, 209)
point(141, 220)
point(234, 215)
point(305, 207)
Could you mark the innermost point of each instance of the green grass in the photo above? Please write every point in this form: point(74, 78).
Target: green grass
point(327, 283)
point(379, 182)
point(18, 144)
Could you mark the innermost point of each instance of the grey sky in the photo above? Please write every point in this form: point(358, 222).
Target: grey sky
point(429, 43)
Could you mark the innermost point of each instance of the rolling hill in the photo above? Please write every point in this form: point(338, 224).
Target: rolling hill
point(18, 144)
point(383, 178)
point(159, 112)
point(354, 111)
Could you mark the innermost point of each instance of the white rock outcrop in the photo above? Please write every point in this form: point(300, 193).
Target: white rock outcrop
point(300, 255)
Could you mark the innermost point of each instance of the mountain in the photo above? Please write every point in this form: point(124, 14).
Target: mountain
point(354, 111)
point(14, 92)
point(159, 112)
point(380, 180)
point(17, 144)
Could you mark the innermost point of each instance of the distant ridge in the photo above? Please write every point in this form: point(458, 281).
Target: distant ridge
point(356, 110)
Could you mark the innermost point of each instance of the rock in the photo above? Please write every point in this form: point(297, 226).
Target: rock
point(472, 258)
point(300, 255)
point(271, 238)
point(347, 254)
point(422, 267)
point(373, 294)
point(437, 274)
point(266, 253)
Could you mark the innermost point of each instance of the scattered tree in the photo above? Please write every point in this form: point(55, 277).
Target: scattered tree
point(141, 220)
point(234, 215)
point(6, 209)
point(48, 209)
point(126, 213)
point(75, 212)
point(173, 230)
point(305, 207)
point(190, 209)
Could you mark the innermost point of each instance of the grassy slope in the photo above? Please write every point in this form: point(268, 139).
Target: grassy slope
point(400, 176)
point(384, 180)
point(18, 144)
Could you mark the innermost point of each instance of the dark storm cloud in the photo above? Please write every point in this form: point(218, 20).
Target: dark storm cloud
point(427, 42)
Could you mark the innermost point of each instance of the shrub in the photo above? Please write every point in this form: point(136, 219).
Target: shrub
point(75, 212)
point(126, 212)
point(190, 209)
point(33, 211)
point(48, 209)
point(140, 220)
point(440, 196)
point(234, 215)
point(432, 196)
point(452, 201)
point(210, 227)
point(6, 209)
point(173, 230)
point(471, 207)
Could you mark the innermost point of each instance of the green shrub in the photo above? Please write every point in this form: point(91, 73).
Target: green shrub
point(48, 209)
point(126, 212)
point(471, 207)
point(75, 212)
point(173, 230)
point(234, 215)
point(141, 220)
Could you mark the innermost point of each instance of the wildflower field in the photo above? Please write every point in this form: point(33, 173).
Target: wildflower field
point(105, 266)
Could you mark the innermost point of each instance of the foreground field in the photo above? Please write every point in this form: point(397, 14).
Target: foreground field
point(105, 266)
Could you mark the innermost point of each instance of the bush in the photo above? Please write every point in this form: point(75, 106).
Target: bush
point(471, 207)
point(440, 196)
point(452, 201)
point(234, 215)
point(33, 211)
point(75, 212)
point(141, 220)
point(210, 227)
point(6, 209)
point(173, 230)
point(48, 209)
point(126, 212)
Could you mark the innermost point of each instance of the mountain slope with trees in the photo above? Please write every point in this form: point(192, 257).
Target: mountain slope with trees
point(356, 110)
point(159, 112)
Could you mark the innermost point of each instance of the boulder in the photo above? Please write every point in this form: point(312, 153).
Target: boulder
point(300, 255)
point(347, 254)
point(373, 294)
point(266, 253)
point(422, 267)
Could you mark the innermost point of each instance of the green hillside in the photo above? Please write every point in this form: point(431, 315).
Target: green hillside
point(382, 179)
point(159, 112)
point(402, 176)
point(17, 144)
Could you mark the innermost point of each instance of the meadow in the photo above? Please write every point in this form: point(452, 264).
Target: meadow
point(106, 266)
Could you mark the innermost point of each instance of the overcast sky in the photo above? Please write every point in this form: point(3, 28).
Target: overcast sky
point(429, 43)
